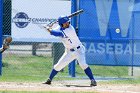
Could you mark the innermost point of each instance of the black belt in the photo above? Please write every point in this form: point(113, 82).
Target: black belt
point(73, 49)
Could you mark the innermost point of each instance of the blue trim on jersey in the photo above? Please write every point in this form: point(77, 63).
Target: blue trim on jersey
point(62, 29)
point(56, 33)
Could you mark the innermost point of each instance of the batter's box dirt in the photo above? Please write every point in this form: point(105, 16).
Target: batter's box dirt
point(100, 88)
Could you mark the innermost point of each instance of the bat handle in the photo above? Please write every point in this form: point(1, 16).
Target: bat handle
point(51, 24)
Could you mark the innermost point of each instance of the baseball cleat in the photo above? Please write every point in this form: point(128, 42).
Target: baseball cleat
point(47, 82)
point(93, 83)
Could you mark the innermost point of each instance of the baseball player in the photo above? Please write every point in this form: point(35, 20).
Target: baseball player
point(73, 49)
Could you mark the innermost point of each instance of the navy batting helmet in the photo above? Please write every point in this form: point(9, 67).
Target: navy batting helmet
point(63, 19)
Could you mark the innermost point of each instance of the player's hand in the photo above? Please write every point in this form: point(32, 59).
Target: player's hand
point(48, 28)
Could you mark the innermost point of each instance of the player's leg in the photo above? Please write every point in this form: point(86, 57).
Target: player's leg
point(52, 74)
point(63, 61)
point(84, 66)
point(87, 71)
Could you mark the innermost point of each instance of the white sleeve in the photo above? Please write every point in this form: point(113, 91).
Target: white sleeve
point(56, 28)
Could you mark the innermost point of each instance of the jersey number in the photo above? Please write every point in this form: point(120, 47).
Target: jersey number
point(69, 40)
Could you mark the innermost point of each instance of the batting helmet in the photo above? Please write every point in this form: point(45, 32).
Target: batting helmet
point(62, 20)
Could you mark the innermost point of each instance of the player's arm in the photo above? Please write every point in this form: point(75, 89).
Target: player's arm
point(55, 32)
point(49, 29)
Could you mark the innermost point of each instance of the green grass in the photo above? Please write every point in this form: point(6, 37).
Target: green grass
point(37, 69)
point(29, 68)
point(127, 81)
point(107, 71)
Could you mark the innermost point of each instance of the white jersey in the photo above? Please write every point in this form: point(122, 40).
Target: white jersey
point(74, 48)
point(70, 39)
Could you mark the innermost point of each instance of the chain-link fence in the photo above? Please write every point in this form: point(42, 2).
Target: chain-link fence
point(33, 61)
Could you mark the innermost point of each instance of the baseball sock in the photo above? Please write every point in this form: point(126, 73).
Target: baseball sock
point(53, 73)
point(89, 73)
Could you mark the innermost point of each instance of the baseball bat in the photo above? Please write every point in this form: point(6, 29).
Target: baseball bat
point(76, 13)
point(69, 16)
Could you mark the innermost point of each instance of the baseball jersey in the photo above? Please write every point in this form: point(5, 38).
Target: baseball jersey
point(68, 36)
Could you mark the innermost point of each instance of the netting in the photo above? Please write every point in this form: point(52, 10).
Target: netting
point(32, 61)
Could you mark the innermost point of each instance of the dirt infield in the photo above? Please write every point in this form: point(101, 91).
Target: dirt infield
point(56, 86)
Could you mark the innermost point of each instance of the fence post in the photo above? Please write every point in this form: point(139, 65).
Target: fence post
point(34, 47)
point(1, 14)
point(74, 23)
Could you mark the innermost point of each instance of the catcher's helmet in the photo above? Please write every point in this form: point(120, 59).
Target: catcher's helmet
point(62, 20)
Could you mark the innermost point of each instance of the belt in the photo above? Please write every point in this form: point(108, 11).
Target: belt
point(74, 49)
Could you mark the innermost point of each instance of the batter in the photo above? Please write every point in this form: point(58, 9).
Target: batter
point(73, 49)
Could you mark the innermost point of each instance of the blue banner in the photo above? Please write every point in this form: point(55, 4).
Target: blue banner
point(110, 30)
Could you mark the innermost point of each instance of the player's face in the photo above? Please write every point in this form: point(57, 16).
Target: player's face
point(66, 25)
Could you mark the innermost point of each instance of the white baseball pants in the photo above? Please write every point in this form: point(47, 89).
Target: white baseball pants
point(69, 56)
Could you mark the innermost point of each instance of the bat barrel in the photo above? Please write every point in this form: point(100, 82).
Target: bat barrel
point(76, 13)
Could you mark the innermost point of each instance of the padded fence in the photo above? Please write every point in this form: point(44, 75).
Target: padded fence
point(104, 44)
